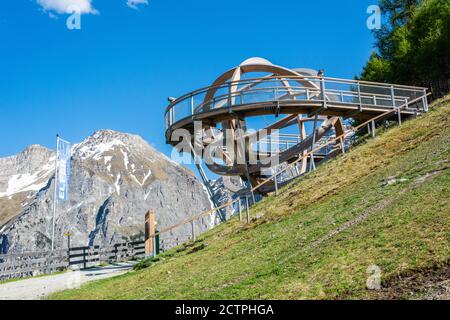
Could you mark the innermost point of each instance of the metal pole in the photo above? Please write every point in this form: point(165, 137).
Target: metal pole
point(240, 209)
point(373, 129)
point(359, 96)
point(399, 114)
point(276, 185)
point(324, 97)
point(425, 100)
point(55, 200)
point(312, 165)
point(393, 96)
point(247, 209)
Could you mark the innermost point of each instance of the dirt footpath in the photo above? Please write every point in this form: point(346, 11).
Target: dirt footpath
point(38, 288)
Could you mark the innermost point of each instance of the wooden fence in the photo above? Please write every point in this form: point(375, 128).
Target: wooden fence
point(14, 266)
point(22, 265)
point(87, 257)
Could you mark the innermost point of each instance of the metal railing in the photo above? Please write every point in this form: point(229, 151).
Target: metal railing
point(323, 90)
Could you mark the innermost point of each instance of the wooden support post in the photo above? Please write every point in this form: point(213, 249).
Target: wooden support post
point(399, 115)
point(150, 230)
point(84, 259)
point(68, 235)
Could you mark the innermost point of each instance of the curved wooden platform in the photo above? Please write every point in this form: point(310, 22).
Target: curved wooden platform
point(294, 97)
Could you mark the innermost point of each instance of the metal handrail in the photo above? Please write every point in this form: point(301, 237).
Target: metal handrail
point(294, 91)
point(296, 78)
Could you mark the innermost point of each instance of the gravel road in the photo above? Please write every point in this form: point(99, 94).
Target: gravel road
point(39, 288)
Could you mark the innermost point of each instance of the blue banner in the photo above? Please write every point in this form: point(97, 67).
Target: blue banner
point(63, 155)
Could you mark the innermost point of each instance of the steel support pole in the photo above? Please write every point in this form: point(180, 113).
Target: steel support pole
point(322, 89)
point(244, 154)
point(359, 97)
point(247, 209)
point(425, 100)
point(276, 185)
point(393, 96)
point(373, 129)
point(205, 180)
point(312, 165)
point(240, 209)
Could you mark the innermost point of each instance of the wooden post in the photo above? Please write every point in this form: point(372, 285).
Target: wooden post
point(68, 235)
point(150, 230)
point(84, 259)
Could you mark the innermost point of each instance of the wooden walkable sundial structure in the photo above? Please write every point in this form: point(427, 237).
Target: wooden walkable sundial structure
point(258, 117)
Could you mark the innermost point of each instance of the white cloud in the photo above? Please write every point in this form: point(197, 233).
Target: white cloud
point(63, 6)
point(134, 3)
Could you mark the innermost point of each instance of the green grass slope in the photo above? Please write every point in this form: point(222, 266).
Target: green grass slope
point(317, 239)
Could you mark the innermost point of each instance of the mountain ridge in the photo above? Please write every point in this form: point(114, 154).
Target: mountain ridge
point(116, 171)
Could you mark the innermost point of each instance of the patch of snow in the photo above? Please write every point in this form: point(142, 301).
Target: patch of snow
point(126, 161)
point(107, 159)
point(116, 184)
point(76, 206)
point(212, 206)
point(145, 178)
point(86, 150)
point(28, 182)
point(133, 167)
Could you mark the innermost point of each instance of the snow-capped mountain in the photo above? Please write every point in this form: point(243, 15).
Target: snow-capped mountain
point(116, 178)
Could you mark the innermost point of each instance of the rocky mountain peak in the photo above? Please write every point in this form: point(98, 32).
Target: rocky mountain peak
point(115, 179)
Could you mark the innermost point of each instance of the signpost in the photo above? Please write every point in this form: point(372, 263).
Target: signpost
point(150, 238)
point(62, 174)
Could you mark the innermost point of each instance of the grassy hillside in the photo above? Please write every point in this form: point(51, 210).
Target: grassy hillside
point(385, 203)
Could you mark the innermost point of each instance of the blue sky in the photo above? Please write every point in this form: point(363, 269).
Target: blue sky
point(118, 70)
